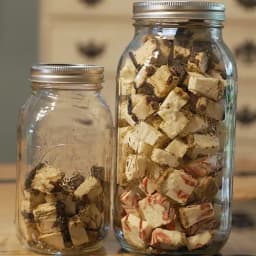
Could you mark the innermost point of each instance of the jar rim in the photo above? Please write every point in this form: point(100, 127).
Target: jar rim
point(45, 73)
point(183, 9)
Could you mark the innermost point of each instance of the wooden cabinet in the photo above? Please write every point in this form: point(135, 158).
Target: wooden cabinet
point(86, 31)
point(97, 32)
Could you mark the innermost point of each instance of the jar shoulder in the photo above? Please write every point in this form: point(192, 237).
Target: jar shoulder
point(60, 110)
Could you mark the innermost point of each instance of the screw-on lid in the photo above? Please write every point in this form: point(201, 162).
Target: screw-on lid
point(162, 9)
point(67, 74)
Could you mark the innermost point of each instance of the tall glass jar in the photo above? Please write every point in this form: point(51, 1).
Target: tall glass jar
point(65, 136)
point(177, 89)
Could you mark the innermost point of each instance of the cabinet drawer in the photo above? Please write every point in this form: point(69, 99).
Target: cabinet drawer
point(241, 39)
point(89, 7)
point(235, 9)
point(89, 41)
point(246, 125)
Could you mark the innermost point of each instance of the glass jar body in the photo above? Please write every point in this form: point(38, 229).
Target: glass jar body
point(176, 124)
point(64, 151)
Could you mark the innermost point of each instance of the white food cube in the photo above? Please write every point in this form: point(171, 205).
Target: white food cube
point(148, 186)
point(46, 178)
point(29, 231)
point(146, 133)
point(206, 86)
point(77, 232)
point(125, 88)
point(156, 210)
point(161, 81)
point(124, 115)
point(136, 98)
point(91, 188)
point(143, 74)
point(145, 51)
point(177, 148)
point(196, 124)
point(46, 217)
point(202, 167)
point(154, 171)
point(91, 217)
point(135, 167)
point(136, 144)
point(199, 63)
point(144, 149)
point(167, 239)
point(33, 199)
point(202, 145)
point(154, 121)
point(163, 157)
point(128, 71)
point(174, 124)
point(193, 214)
point(181, 51)
point(122, 131)
point(54, 240)
point(214, 110)
point(129, 201)
point(199, 240)
point(136, 231)
point(144, 108)
point(178, 186)
point(175, 100)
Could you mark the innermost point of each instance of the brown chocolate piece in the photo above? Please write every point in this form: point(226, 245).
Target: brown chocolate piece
point(32, 174)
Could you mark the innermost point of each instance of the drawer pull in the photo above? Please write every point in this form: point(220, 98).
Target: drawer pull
point(91, 2)
point(91, 50)
point(247, 3)
point(246, 116)
point(246, 52)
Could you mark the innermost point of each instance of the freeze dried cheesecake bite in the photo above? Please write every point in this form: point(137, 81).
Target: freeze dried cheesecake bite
point(136, 231)
point(193, 214)
point(167, 239)
point(171, 135)
point(156, 210)
point(177, 185)
point(59, 212)
point(199, 240)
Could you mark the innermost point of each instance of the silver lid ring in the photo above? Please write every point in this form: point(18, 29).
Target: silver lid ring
point(162, 9)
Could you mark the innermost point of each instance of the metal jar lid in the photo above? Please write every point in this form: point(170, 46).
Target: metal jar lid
point(191, 10)
point(67, 74)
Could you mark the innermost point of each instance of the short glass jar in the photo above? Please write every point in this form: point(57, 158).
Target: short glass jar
point(64, 157)
point(177, 90)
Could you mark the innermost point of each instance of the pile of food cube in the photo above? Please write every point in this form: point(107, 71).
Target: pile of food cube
point(171, 135)
point(59, 212)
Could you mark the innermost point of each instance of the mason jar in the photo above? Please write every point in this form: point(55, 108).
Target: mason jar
point(64, 151)
point(176, 89)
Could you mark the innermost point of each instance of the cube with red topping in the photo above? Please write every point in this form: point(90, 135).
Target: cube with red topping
point(202, 167)
point(129, 201)
point(156, 210)
point(136, 231)
point(167, 239)
point(148, 186)
point(177, 185)
point(193, 214)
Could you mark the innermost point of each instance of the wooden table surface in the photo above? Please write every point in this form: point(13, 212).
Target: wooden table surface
point(241, 242)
